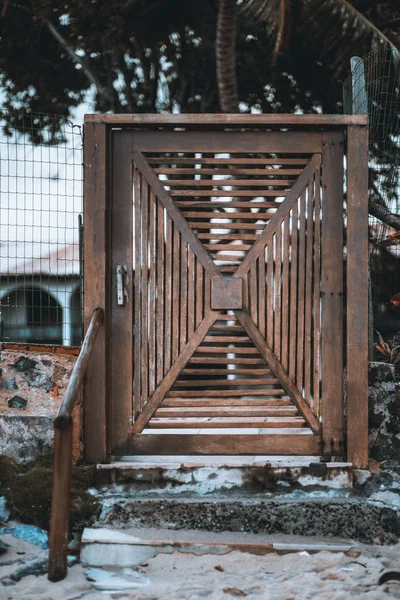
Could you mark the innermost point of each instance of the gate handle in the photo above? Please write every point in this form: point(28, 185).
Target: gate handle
point(122, 280)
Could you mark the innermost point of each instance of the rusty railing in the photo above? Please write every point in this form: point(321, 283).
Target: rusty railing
point(60, 505)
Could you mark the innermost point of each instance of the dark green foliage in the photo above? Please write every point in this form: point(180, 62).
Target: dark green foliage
point(28, 488)
point(159, 55)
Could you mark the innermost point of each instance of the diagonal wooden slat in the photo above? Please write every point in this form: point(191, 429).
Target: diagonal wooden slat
point(176, 215)
point(266, 235)
point(170, 378)
point(276, 367)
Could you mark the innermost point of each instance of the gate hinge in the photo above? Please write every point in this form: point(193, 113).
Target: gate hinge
point(122, 284)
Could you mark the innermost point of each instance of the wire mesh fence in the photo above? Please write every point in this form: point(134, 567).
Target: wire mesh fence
point(373, 86)
point(40, 230)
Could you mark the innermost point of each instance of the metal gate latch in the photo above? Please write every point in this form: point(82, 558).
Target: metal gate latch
point(122, 280)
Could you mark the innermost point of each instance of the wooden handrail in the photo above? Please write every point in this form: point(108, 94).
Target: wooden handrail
point(60, 503)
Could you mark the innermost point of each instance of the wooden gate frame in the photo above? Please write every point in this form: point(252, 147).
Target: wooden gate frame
point(99, 230)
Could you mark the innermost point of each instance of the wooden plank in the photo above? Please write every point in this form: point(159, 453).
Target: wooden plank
point(177, 160)
point(285, 293)
point(225, 204)
point(223, 119)
point(300, 293)
point(221, 214)
point(225, 350)
point(227, 141)
point(121, 322)
point(174, 371)
point(144, 295)
point(231, 393)
point(226, 361)
point(225, 382)
point(240, 226)
point(278, 292)
point(280, 214)
point(293, 292)
point(96, 293)
point(212, 412)
point(160, 291)
point(332, 291)
point(221, 422)
point(227, 236)
point(225, 402)
point(183, 295)
point(253, 296)
point(175, 295)
point(175, 214)
point(261, 294)
point(282, 443)
point(199, 293)
point(168, 296)
point(229, 193)
point(191, 293)
point(228, 247)
point(315, 405)
point(270, 295)
point(231, 171)
point(258, 182)
point(278, 370)
point(152, 292)
point(227, 338)
point(249, 371)
point(138, 288)
point(357, 297)
point(308, 333)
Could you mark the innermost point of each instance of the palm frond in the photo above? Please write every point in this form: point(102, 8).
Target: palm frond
point(276, 15)
point(336, 27)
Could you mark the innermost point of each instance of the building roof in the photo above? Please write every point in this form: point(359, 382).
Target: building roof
point(50, 259)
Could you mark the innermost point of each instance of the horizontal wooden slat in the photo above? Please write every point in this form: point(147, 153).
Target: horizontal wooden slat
point(284, 442)
point(228, 193)
point(227, 236)
point(228, 161)
point(258, 182)
point(221, 422)
point(245, 172)
point(227, 215)
point(239, 119)
point(226, 382)
point(227, 371)
point(218, 402)
point(212, 412)
point(227, 247)
point(209, 225)
point(225, 350)
point(225, 204)
point(211, 393)
point(208, 360)
point(227, 338)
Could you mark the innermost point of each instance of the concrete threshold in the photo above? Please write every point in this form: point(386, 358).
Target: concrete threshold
point(211, 474)
point(132, 547)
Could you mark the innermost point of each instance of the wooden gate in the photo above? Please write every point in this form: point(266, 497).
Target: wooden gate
point(224, 283)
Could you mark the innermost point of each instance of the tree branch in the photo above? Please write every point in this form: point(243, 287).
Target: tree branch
point(80, 61)
point(377, 211)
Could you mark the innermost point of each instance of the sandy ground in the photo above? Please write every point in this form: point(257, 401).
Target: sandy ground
point(188, 577)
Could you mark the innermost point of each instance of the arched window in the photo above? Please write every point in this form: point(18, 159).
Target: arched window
point(31, 315)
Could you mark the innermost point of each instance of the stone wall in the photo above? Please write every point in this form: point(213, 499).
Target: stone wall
point(384, 413)
point(33, 380)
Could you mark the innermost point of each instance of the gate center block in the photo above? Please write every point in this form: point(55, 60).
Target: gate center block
point(226, 293)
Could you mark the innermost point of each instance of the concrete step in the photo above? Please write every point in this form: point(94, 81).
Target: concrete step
point(334, 513)
point(128, 548)
point(214, 474)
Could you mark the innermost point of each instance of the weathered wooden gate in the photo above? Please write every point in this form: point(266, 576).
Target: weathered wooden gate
point(218, 252)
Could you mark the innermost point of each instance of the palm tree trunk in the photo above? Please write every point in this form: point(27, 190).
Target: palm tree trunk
point(226, 56)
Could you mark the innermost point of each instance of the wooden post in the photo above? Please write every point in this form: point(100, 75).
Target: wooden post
point(332, 293)
point(96, 239)
point(59, 519)
point(357, 296)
